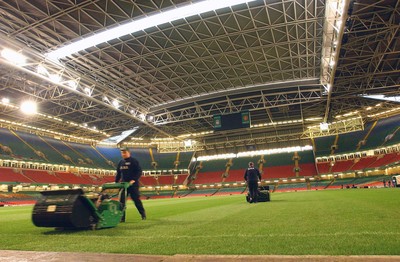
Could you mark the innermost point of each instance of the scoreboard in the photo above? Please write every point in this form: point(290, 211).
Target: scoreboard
point(232, 121)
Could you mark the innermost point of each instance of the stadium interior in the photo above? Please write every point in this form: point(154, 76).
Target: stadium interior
point(309, 90)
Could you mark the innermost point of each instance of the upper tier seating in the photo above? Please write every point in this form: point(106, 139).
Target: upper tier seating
point(65, 150)
point(379, 134)
point(90, 155)
point(19, 149)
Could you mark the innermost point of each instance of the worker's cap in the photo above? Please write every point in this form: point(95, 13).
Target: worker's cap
point(124, 149)
point(251, 164)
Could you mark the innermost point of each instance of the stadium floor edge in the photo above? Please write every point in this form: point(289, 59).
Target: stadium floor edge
point(12, 255)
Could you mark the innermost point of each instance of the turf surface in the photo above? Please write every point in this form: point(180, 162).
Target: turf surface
point(325, 222)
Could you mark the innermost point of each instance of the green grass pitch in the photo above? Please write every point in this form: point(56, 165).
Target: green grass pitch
point(325, 222)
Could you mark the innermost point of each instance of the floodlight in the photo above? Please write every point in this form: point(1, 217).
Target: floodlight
point(13, 56)
point(323, 126)
point(42, 70)
point(144, 23)
point(115, 103)
point(29, 107)
point(394, 98)
point(55, 78)
point(188, 143)
point(142, 116)
point(88, 91)
point(72, 84)
point(5, 100)
point(150, 118)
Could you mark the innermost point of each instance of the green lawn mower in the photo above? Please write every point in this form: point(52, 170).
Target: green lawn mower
point(73, 209)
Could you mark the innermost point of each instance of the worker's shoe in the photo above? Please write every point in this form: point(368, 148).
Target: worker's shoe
point(144, 216)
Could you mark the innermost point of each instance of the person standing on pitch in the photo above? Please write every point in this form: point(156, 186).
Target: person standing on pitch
point(252, 176)
point(129, 170)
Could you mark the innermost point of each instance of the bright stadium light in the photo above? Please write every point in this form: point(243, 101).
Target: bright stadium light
point(5, 100)
point(394, 98)
point(144, 23)
point(13, 56)
point(324, 126)
point(188, 143)
point(115, 103)
point(29, 107)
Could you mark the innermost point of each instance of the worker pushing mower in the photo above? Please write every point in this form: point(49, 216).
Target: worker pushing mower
point(73, 209)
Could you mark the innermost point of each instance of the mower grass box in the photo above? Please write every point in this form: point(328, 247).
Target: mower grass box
point(73, 209)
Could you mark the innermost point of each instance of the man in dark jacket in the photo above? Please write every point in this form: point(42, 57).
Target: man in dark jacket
point(252, 176)
point(129, 170)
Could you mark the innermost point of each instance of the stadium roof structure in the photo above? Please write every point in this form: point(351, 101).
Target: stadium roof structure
point(291, 64)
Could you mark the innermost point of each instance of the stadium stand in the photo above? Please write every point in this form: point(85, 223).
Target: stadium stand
point(380, 133)
point(203, 192)
point(148, 181)
point(241, 163)
point(278, 172)
point(67, 152)
point(323, 167)
point(42, 177)
point(166, 180)
point(279, 166)
point(319, 184)
point(71, 178)
point(11, 199)
point(214, 177)
point(235, 176)
point(143, 156)
point(229, 191)
point(210, 172)
point(105, 179)
point(342, 165)
point(111, 153)
point(323, 145)
point(185, 159)
point(363, 163)
point(158, 194)
point(383, 160)
point(13, 175)
point(165, 160)
point(180, 180)
point(384, 132)
point(33, 143)
point(291, 187)
point(93, 179)
point(90, 155)
point(349, 142)
point(208, 177)
point(19, 149)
